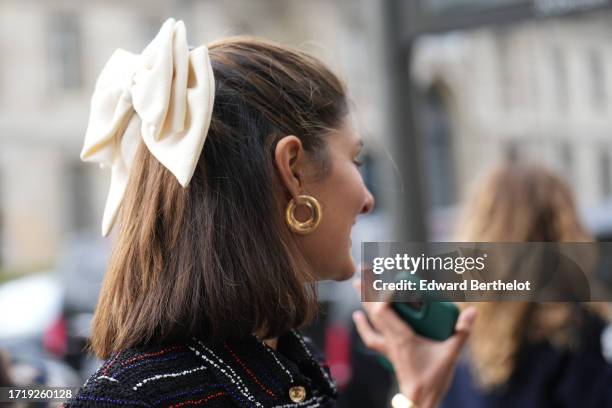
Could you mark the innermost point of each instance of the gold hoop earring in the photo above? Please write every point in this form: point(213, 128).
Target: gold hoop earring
point(309, 225)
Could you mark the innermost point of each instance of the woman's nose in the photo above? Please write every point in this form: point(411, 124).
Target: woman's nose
point(368, 205)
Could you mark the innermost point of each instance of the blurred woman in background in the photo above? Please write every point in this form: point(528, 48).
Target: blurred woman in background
point(524, 354)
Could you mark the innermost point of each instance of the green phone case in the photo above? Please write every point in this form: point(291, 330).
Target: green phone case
point(434, 320)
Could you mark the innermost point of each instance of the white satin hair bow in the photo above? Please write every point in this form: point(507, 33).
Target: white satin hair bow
point(164, 96)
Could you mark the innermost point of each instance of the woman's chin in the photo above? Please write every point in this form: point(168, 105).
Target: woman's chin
point(338, 272)
point(347, 273)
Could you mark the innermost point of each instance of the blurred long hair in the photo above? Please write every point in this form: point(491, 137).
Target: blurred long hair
point(519, 203)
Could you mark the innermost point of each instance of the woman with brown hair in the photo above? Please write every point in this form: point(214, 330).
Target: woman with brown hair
point(235, 184)
point(530, 354)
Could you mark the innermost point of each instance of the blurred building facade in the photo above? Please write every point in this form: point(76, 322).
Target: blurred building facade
point(54, 50)
point(539, 91)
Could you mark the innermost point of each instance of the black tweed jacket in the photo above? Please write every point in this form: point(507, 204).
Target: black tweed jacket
point(231, 374)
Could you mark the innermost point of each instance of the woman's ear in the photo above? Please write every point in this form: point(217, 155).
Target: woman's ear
point(289, 160)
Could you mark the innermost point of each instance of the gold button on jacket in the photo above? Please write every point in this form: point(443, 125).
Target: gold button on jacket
point(297, 393)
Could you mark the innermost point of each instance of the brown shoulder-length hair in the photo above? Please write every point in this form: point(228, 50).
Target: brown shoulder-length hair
point(520, 202)
point(215, 260)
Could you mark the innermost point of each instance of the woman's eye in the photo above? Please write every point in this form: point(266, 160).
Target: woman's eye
point(358, 163)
